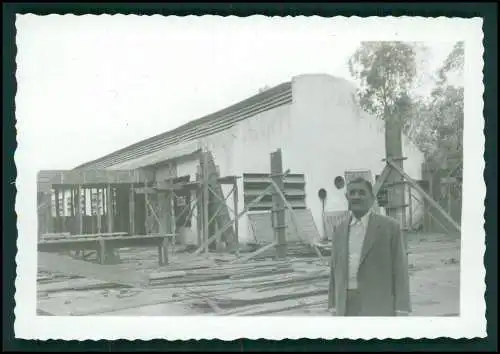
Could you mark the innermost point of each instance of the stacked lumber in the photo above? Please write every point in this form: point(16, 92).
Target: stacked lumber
point(214, 284)
point(255, 287)
point(294, 249)
point(55, 263)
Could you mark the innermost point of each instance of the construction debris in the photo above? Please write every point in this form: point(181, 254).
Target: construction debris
point(215, 285)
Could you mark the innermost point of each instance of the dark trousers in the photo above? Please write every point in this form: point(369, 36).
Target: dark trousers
point(353, 306)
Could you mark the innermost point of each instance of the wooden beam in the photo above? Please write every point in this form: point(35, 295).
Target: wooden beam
point(236, 221)
point(199, 207)
point(145, 209)
point(79, 210)
point(131, 208)
point(254, 254)
point(278, 210)
point(431, 201)
point(102, 252)
point(394, 150)
point(205, 201)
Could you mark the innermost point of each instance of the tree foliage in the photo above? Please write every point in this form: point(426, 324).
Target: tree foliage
point(386, 72)
point(436, 124)
point(454, 63)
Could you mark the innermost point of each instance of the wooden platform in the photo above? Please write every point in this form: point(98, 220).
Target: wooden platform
point(104, 243)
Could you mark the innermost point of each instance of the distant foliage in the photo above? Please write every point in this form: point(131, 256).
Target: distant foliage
point(454, 63)
point(436, 124)
point(386, 71)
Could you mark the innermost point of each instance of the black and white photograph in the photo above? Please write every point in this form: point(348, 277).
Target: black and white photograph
point(254, 177)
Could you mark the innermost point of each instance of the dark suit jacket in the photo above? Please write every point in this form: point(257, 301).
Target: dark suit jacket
point(383, 279)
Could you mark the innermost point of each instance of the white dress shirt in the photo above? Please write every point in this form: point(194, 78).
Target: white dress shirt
point(357, 233)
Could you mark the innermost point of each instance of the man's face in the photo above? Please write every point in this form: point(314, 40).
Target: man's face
point(359, 197)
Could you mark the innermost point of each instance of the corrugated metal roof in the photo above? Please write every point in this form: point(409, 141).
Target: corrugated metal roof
point(196, 129)
point(160, 156)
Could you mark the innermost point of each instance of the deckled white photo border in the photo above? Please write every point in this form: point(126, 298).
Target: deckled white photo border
point(470, 323)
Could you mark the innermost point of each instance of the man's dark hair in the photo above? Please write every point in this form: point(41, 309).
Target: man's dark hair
point(364, 181)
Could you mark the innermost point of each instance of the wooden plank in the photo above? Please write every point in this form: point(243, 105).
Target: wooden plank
point(280, 306)
point(144, 298)
point(254, 254)
point(75, 284)
point(114, 274)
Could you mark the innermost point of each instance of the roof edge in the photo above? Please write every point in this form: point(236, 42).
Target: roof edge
point(205, 119)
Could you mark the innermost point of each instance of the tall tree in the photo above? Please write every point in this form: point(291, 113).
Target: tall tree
point(453, 64)
point(386, 72)
point(435, 124)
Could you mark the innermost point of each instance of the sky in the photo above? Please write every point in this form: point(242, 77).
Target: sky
point(89, 85)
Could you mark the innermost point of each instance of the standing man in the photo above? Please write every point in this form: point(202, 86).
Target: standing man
point(369, 265)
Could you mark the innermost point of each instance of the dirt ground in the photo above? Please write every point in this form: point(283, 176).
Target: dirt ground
point(434, 272)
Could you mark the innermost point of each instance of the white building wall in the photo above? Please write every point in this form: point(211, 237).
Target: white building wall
point(322, 134)
point(246, 148)
point(332, 135)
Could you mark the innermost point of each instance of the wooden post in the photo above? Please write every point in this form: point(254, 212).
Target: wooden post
point(278, 211)
point(161, 260)
point(171, 205)
point(79, 210)
point(102, 251)
point(50, 223)
point(163, 209)
point(131, 208)
point(218, 238)
point(167, 220)
point(199, 209)
point(236, 220)
point(410, 207)
point(394, 151)
point(448, 191)
point(109, 207)
point(205, 201)
point(57, 227)
point(171, 242)
point(98, 210)
point(62, 206)
point(145, 209)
